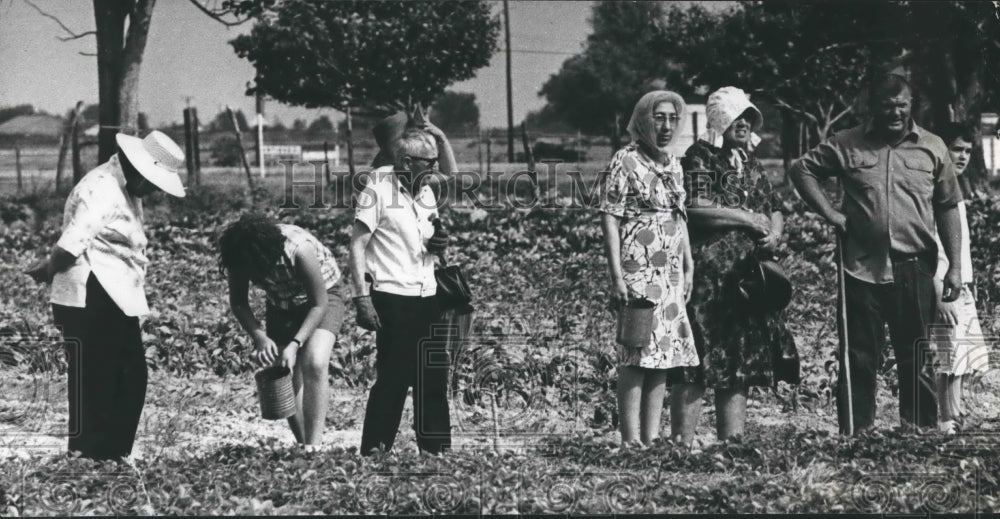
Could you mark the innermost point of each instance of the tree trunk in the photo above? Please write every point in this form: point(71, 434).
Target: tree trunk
point(119, 57)
point(135, 46)
point(109, 18)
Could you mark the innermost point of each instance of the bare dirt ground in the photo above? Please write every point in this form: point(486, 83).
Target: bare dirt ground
point(202, 413)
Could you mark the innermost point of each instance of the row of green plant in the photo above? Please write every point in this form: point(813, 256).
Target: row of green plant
point(788, 471)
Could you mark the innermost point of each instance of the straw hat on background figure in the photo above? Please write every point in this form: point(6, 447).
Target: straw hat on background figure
point(157, 158)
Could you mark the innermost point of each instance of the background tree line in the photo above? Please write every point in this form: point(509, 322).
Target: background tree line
point(806, 60)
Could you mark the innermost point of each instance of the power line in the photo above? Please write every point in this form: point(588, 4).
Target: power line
point(533, 51)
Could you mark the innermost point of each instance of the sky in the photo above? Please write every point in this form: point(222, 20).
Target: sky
point(188, 59)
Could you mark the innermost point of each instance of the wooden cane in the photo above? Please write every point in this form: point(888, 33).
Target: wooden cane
point(842, 316)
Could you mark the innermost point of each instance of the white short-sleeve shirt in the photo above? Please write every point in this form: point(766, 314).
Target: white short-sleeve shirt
point(396, 257)
point(102, 227)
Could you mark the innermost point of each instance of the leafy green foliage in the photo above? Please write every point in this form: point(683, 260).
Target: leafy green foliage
point(788, 471)
point(456, 112)
point(809, 59)
point(382, 55)
point(542, 343)
point(9, 112)
point(621, 56)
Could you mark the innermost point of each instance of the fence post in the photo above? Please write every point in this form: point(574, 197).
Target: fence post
point(64, 141)
point(189, 145)
point(350, 143)
point(77, 164)
point(479, 149)
point(243, 151)
point(326, 160)
point(260, 134)
point(192, 157)
point(196, 145)
point(489, 154)
point(579, 149)
point(17, 159)
point(530, 158)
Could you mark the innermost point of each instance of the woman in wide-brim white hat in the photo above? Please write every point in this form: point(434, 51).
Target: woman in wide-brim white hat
point(97, 270)
point(735, 213)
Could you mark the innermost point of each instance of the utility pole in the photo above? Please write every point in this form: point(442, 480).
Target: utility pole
point(510, 101)
point(260, 133)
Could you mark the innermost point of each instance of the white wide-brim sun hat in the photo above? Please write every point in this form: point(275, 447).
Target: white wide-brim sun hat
point(157, 157)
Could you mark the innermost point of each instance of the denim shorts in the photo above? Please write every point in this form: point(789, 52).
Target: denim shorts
point(282, 324)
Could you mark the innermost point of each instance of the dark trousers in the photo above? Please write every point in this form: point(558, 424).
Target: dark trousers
point(907, 305)
point(409, 353)
point(107, 375)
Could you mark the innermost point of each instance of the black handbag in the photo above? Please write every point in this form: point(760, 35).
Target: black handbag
point(761, 284)
point(452, 288)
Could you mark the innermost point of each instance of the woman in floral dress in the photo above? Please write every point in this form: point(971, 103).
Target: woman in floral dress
point(734, 212)
point(649, 257)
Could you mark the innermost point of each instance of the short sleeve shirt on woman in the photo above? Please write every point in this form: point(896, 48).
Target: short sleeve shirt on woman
point(102, 227)
point(283, 287)
point(635, 185)
point(397, 257)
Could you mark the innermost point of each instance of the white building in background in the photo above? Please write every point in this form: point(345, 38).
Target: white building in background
point(693, 127)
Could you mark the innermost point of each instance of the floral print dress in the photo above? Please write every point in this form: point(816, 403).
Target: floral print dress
point(649, 199)
point(738, 347)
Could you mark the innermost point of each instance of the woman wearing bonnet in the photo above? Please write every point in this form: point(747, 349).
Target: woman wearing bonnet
point(734, 214)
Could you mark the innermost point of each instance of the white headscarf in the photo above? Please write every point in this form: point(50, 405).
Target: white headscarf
point(641, 127)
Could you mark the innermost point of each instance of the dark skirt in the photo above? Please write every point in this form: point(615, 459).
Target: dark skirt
point(738, 346)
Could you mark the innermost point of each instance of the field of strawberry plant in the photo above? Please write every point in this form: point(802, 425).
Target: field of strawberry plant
point(533, 404)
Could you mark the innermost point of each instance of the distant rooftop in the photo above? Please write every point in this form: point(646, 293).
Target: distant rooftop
point(33, 125)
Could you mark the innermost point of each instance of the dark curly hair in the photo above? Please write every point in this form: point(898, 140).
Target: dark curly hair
point(956, 130)
point(251, 246)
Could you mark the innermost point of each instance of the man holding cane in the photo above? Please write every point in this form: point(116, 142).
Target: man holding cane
point(898, 183)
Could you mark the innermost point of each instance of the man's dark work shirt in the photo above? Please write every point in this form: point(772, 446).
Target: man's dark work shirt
point(890, 193)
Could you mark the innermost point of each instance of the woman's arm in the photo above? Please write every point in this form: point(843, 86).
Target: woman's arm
point(360, 236)
point(446, 157)
point(58, 260)
point(688, 267)
point(713, 217)
point(239, 289)
point(612, 249)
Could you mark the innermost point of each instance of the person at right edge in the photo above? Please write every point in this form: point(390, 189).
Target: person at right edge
point(898, 181)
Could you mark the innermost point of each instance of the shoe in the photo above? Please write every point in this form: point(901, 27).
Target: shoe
point(947, 427)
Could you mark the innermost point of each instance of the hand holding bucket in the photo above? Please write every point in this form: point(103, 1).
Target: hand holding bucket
point(277, 396)
point(635, 323)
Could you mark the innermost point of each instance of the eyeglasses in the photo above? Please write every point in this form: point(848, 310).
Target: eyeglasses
point(431, 162)
point(673, 119)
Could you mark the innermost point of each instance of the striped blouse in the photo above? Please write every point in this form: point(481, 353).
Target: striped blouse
point(283, 287)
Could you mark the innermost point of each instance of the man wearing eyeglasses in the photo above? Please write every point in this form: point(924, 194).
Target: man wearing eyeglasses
point(394, 240)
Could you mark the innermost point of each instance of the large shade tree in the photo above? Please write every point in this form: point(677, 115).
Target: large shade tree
point(121, 28)
point(377, 56)
point(456, 112)
point(596, 90)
